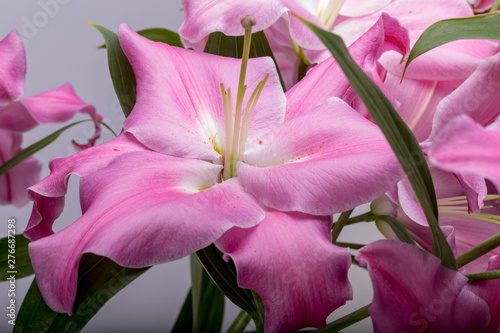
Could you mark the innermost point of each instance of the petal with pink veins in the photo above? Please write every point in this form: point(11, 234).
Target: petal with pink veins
point(12, 68)
point(48, 194)
point(174, 204)
point(179, 109)
point(464, 146)
point(325, 161)
point(290, 261)
point(414, 292)
point(13, 183)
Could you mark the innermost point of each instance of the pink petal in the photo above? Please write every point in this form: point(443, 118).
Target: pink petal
point(490, 292)
point(179, 108)
point(483, 5)
point(353, 8)
point(13, 183)
point(476, 97)
point(318, 86)
point(465, 147)
point(48, 194)
point(289, 260)
point(414, 292)
point(203, 17)
point(325, 161)
point(142, 209)
point(12, 68)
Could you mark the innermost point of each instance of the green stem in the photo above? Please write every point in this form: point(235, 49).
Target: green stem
point(359, 218)
point(350, 245)
point(478, 250)
point(240, 322)
point(491, 275)
point(337, 227)
point(347, 321)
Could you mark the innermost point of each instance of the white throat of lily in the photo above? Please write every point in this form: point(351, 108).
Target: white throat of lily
point(458, 207)
point(328, 10)
point(237, 130)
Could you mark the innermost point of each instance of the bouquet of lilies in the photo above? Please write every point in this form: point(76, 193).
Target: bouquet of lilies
point(250, 137)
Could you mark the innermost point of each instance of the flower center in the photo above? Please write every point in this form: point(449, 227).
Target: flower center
point(458, 207)
point(328, 10)
point(237, 131)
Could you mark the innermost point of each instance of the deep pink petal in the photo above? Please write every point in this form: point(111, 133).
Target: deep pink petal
point(490, 292)
point(13, 183)
point(318, 85)
point(179, 108)
point(477, 97)
point(12, 68)
point(482, 5)
point(466, 147)
point(48, 194)
point(290, 261)
point(203, 17)
point(142, 209)
point(413, 292)
point(326, 161)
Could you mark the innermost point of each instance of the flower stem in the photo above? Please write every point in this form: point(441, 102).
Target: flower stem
point(240, 322)
point(347, 320)
point(491, 275)
point(478, 250)
point(360, 218)
point(339, 225)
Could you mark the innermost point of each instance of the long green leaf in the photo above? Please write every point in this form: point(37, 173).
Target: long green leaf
point(19, 250)
point(99, 279)
point(28, 151)
point(158, 35)
point(475, 27)
point(184, 322)
point(229, 46)
point(208, 300)
point(120, 70)
point(398, 134)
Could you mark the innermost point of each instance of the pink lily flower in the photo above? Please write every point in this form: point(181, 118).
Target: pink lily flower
point(18, 115)
point(170, 184)
point(413, 292)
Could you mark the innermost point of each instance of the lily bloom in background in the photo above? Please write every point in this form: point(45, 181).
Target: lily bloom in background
point(199, 162)
point(413, 292)
point(18, 115)
point(292, 42)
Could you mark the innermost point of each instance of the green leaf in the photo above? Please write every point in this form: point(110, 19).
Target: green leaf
point(184, 322)
point(207, 300)
point(445, 31)
point(224, 275)
point(18, 249)
point(99, 279)
point(158, 35)
point(28, 151)
point(229, 46)
point(120, 70)
point(398, 135)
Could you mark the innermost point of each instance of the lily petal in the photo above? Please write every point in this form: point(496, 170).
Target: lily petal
point(48, 194)
point(179, 109)
point(414, 292)
point(13, 183)
point(466, 147)
point(159, 197)
point(326, 161)
point(12, 68)
point(290, 261)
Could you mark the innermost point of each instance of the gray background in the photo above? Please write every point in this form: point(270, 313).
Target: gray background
point(61, 48)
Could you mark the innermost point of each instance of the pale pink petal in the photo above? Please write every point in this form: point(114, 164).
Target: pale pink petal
point(463, 146)
point(13, 183)
point(142, 209)
point(353, 8)
point(490, 292)
point(203, 17)
point(318, 84)
point(12, 68)
point(179, 109)
point(413, 292)
point(477, 97)
point(326, 161)
point(290, 261)
point(48, 194)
